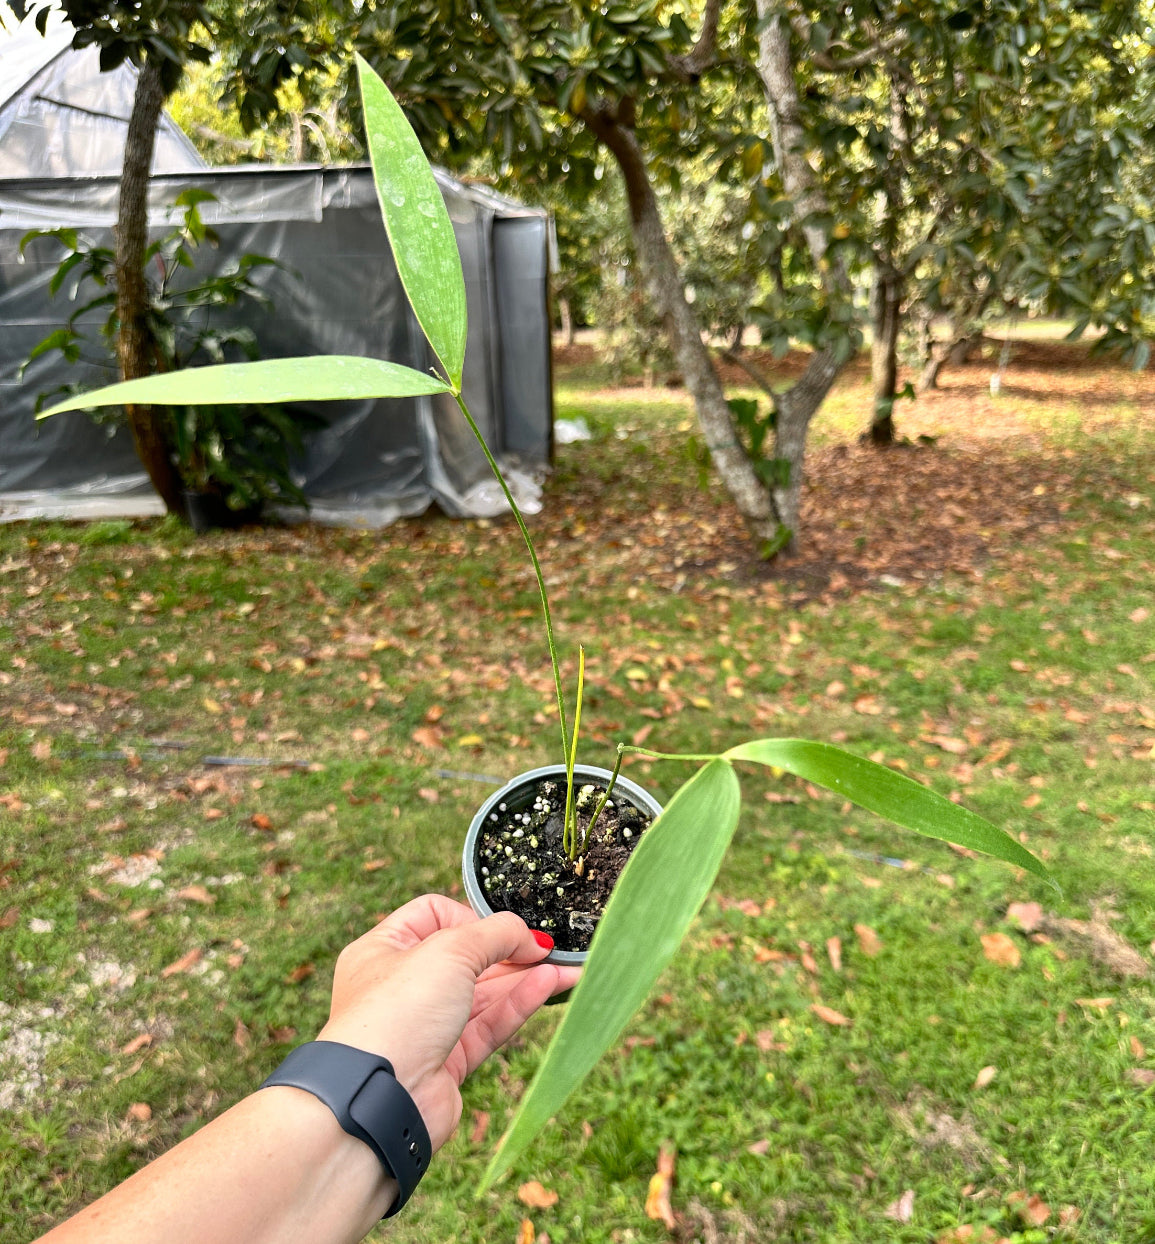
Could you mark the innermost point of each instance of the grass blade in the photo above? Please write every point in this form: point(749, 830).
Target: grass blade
point(420, 232)
point(314, 379)
point(890, 794)
point(664, 884)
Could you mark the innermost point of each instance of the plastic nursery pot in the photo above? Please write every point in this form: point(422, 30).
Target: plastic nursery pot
point(518, 795)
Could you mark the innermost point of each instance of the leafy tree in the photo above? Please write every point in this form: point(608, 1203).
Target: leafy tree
point(262, 46)
point(949, 141)
point(545, 83)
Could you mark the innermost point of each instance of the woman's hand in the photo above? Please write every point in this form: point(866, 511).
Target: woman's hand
point(435, 990)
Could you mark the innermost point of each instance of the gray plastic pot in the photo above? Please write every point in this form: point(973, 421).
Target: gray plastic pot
point(508, 795)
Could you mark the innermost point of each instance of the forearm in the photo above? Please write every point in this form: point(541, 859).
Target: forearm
point(275, 1169)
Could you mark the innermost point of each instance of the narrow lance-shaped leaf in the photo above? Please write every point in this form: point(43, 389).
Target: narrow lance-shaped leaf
point(325, 378)
point(890, 794)
point(420, 232)
point(659, 892)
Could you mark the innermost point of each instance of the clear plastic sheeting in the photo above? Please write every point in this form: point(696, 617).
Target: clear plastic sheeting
point(61, 117)
point(337, 293)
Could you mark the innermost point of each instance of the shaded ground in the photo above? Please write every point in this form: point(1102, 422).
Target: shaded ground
point(998, 472)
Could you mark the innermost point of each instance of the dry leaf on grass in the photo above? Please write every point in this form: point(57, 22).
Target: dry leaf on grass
point(536, 1195)
point(1095, 1004)
point(1033, 1210)
point(260, 821)
point(1028, 916)
point(868, 940)
point(834, 952)
point(966, 1234)
point(480, 1127)
point(901, 1210)
point(140, 1112)
point(183, 964)
point(1000, 949)
point(760, 1148)
point(661, 1183)
point(1142, 1077)
point(985, 1076)
point(525, 1233)
point(137, 1043)
point(196, 894)
point(828, 1015)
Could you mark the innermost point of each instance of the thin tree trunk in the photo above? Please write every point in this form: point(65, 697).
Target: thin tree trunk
point(135, 347)
point(798, 405)
point(885, 304)
point(567, 328)
point(752, 498)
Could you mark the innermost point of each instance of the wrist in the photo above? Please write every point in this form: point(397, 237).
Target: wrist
point(337, 1160)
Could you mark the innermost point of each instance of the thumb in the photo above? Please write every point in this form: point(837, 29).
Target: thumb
point(496, 939)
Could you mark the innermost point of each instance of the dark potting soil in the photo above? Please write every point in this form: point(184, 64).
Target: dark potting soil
point(523, 868)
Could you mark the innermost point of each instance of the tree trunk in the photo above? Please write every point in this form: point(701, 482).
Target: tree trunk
point(567, 328)
point(885, 303)
point(752, 498)
point(135, 347)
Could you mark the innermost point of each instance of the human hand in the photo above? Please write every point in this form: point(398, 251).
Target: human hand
point(435, 990)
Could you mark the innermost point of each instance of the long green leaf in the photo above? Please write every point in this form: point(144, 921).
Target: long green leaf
point(325, 378)
point(418, 225)
point(665, 882)
point(890, 794)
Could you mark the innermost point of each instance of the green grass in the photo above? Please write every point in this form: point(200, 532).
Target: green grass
point(336, 647)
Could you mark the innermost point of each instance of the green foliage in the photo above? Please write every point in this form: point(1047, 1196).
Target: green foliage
point(420, 232)
point(242, 453)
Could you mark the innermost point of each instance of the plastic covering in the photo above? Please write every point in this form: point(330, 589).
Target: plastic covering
point(337, 293)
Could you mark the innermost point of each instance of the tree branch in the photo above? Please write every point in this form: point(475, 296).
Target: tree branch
point(700, 57)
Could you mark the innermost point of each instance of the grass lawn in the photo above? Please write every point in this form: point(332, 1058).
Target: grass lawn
point(168, 927)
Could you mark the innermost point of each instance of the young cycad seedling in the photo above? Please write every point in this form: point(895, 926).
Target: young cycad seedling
point(673, 867)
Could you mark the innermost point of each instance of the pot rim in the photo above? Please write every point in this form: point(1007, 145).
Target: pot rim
point(473, 891)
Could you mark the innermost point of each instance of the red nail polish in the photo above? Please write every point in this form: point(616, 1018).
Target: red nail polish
point(543, 939)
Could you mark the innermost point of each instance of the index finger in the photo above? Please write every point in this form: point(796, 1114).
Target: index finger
point(422, 917)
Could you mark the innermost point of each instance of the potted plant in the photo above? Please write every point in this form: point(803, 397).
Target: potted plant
point(674, 859)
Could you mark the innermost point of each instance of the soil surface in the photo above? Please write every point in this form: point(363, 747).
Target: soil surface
point(522, 866)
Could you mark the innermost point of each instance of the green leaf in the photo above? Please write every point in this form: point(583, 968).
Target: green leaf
point(326, 378)
point(659, 893)
point(418, 225)
point(890, 794)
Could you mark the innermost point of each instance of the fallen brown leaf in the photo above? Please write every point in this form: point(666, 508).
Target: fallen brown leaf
point(140, 1112)
point(658, 1205)
point(260, 821)
point(185, 962)
point(901, 1210)
point(828, 1015)
point(1144, 1077)
point(536, 1196)
point(241, 1036)
point(1000, 949)
point(1095, 1004)
point(427, 736)
point(760, 1148)
point(525, 1233)
point(985, 1076)
point(197, 894)
point(300, 973)
point(1028, 916)
point(137, 1043)
point(480, 1127)
point(868, 940)
point(10, 918)
point(834, 952)
point(1033, 1210)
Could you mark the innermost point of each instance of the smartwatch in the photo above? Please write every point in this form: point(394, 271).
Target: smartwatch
point(368, 1102)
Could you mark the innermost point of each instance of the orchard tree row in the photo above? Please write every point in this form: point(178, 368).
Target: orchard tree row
point(813, 169)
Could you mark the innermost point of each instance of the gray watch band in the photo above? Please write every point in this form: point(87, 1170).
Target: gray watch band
point(364, 1095)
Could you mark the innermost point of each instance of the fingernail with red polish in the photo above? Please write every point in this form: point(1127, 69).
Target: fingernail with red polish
point(543, 939)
